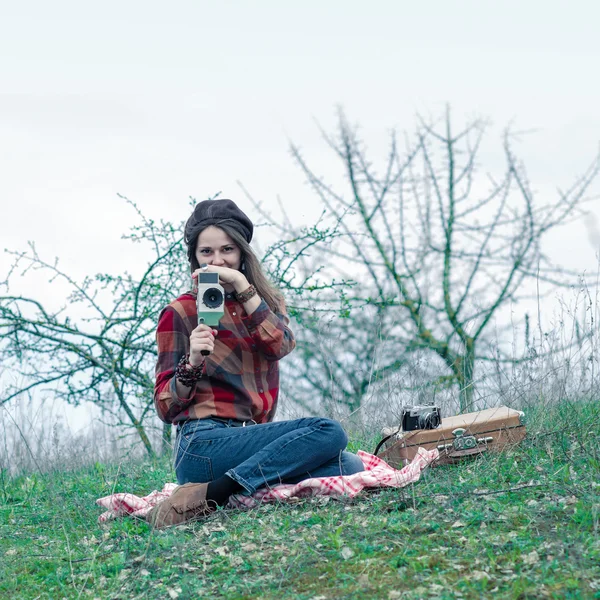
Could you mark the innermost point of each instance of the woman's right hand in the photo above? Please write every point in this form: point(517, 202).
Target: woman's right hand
point(202, 338)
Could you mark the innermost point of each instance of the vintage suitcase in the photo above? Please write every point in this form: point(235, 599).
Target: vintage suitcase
point(457, 437)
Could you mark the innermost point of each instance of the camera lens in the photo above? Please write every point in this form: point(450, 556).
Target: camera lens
point(425, 421)
point(429, 420)
point(212, 298)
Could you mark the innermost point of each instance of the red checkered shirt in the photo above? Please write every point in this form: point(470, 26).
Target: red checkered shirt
point(241, 376)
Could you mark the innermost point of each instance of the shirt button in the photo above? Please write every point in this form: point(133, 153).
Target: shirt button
point(261, 390)
point(233, 314)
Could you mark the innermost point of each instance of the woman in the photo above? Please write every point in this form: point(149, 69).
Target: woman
point(220, 386)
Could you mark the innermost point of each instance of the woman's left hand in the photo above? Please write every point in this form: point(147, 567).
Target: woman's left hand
point(226, 275)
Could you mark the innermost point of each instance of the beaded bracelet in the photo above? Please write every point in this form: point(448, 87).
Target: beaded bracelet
point(243, 297)
point(188, 376)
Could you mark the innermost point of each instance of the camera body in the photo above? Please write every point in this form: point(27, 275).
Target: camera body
point(421, 417)
point(210, 301)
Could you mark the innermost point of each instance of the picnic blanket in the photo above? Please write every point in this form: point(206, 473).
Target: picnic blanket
point(377, 474)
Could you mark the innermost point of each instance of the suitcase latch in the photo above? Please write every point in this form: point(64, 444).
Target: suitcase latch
point(463, 442)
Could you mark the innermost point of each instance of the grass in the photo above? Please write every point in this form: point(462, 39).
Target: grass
point(522, 524)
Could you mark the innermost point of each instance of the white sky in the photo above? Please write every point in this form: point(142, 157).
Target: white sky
point(160, 101)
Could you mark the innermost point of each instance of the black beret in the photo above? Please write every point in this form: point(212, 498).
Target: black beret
point(216, 212)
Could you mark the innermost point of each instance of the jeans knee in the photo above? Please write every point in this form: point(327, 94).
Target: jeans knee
point(337, 436)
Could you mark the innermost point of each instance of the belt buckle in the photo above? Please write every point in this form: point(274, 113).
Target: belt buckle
point(251, 422)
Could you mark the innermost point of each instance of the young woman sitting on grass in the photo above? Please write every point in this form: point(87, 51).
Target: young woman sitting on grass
point(223, 403)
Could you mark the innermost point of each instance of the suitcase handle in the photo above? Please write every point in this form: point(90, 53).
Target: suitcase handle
point(452, 455)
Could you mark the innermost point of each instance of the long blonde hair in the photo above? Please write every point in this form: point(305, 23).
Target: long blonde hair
point(250, 266)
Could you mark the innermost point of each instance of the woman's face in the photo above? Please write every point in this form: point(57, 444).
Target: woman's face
point(215, 247)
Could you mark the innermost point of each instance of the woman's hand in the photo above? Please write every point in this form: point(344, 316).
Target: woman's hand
point(202, 338)
point(226, 275)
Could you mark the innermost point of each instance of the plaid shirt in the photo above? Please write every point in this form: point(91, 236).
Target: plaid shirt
point(241, 376)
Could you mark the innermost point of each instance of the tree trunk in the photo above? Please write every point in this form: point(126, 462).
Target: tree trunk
point(465, 379)
point(135, 422)
point(166, 439)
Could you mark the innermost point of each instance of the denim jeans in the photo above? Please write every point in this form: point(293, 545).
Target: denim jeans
point(262, 455)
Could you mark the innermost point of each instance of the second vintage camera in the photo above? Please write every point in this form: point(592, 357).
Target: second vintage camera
point(421, 417)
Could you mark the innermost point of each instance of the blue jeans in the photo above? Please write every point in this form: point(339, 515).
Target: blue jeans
point(262, 455)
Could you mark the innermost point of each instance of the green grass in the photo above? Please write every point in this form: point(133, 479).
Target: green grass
point(523, 524)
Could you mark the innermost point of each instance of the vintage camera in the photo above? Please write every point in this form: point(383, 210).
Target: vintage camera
point(421, 417)
point(210, 301)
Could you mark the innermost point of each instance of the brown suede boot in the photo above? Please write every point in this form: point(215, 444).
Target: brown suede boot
point(186, 503)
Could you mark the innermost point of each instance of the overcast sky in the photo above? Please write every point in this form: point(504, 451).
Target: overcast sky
point(159, 101)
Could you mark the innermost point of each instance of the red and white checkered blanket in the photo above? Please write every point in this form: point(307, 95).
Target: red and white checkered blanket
point(377, 474)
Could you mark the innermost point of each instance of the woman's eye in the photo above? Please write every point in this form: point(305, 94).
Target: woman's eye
point(228, 249)
point(205, 251)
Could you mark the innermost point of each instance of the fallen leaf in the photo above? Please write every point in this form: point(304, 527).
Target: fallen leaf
point(249, 547)
point(347, 553)
point(531, 558)
point(458, 524)
point(144, 572)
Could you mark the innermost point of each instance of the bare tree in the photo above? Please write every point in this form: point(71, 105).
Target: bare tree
point(430, 247)
point(107, 356)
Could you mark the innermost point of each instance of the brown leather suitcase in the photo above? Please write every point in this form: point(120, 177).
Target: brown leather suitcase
point(457, 437)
